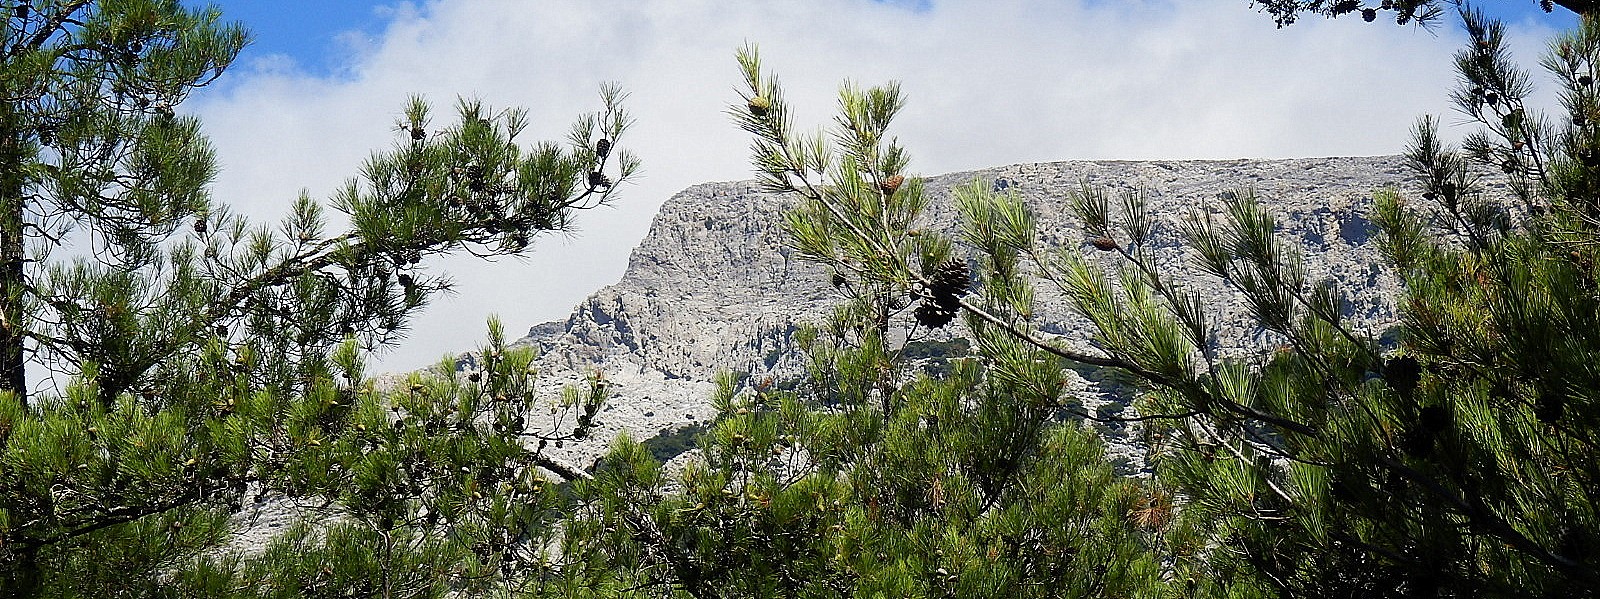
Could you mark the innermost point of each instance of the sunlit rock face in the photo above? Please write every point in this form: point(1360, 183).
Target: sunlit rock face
point(714, 287)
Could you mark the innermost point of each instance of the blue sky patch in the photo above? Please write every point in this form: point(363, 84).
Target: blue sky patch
point(308, 31)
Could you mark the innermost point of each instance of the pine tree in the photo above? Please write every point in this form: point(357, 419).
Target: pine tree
point(1456, 464)
point(1332, 462)
point(210, 358)
point(871, 476)
point(440, 486)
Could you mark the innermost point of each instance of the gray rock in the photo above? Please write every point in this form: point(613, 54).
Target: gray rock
point(713, 286)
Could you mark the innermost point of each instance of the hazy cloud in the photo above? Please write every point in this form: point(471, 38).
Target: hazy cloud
point(990, 83)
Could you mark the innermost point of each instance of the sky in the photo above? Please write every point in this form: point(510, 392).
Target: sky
point(990, 83)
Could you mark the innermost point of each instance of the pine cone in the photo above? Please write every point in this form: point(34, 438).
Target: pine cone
point(1369, 15)
point(1403, 374)
point(1416, 442)
point(1104, 244)
point(1435, 418)
point(941, 299)
point(892, 184)
point(1549, 407)
point(759, 106)
point(934, 315)
point(475, 175)
point(949, 281)
point(602, 148)
point(418, 134)
point(598, 179)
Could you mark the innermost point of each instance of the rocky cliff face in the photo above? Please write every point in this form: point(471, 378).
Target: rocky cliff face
point(713, 287)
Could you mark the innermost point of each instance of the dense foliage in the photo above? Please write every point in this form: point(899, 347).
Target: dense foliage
point(1330, 463)
point(214, 362)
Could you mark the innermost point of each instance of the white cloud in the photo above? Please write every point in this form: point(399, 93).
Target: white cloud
point(990, 83)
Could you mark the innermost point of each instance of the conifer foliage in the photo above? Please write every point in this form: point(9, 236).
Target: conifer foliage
point(1457, 463)
point(1332, 462)
point(213, 361)
point(869, 476)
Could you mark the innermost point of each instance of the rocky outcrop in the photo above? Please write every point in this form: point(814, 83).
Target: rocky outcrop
point(713, 287)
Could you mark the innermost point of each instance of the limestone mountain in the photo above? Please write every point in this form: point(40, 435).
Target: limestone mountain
point(713, 285)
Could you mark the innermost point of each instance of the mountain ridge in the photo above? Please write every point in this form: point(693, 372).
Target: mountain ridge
point(713, 286)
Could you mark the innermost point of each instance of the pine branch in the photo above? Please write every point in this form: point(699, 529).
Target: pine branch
point(1581, 7)
point(688, 573)
point(1144, 418)
point(114, 516)
point(1480, 514)
point(563, 470)
point(53, 25)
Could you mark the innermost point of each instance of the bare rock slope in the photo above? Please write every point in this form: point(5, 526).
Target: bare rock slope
point(713, 287)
